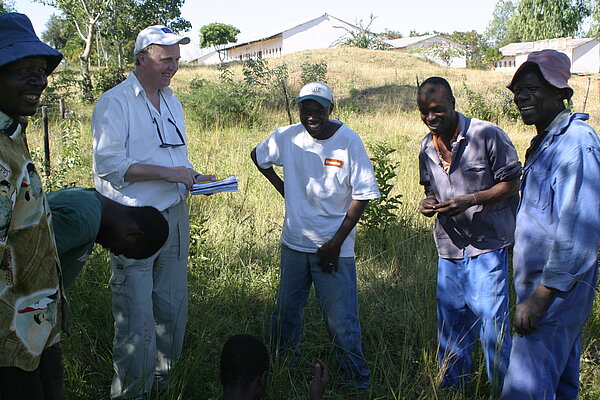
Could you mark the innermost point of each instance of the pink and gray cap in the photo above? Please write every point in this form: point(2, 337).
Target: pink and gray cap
point(554, 66)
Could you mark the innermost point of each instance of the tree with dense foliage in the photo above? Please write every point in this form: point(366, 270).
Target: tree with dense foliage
point(478, 50)
point(125, 18)
point(496, 32)
point(56, 33)
point(6, 6)
point(85, 16)
point(546, 19)
point(100, 24)
point(218, 35)
point(595, 13)
point(362, 37)
point(61, 35)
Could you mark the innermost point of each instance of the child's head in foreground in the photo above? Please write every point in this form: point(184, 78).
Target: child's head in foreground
point(244, 365)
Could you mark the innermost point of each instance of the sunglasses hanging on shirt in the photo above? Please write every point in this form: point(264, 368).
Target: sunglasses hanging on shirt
point(163, 144)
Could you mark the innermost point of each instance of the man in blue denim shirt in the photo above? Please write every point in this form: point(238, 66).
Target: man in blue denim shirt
point(557, 235)
point(470, 172)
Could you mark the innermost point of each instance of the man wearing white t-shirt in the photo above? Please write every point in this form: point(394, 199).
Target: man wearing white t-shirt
point(329, 181)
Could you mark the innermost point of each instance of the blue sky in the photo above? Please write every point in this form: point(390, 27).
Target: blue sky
point(255, 17)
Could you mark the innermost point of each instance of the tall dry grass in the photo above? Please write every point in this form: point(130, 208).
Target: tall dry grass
point(233, 268)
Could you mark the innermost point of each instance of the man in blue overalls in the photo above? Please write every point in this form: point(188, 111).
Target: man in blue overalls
point(557, 235)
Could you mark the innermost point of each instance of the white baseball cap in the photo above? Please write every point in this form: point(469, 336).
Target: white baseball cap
point(157, 34)
point(317, 91)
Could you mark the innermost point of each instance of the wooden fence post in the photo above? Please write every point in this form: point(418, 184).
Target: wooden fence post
point(61, 106)
point(46, 141)
point(587, 92)
point(599, 89)
point(287, 102)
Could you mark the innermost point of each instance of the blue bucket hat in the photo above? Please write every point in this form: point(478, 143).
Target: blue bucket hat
point(18, 40)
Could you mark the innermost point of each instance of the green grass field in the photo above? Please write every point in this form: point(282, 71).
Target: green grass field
point(233, 266)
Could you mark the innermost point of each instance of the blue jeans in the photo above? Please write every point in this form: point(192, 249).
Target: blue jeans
point(472, 300)
point(544, 365)
point(338, 297)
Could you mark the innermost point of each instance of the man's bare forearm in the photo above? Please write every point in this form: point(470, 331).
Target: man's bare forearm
point(355, 211)
point(270, 174)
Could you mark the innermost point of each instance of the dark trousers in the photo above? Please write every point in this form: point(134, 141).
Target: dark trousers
point(43, 383)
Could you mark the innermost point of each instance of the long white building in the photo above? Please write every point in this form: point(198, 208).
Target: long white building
point(437, 48)
point(318, 33)
point(584, 53)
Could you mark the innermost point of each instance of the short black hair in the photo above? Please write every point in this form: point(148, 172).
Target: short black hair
point(243, 359)
point(154, 226)
point(430, 85)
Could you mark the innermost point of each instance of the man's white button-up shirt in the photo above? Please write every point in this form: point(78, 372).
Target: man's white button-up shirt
point(125, 134)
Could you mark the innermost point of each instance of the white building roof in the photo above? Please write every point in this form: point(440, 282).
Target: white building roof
point(412, 40)
point(407, 41)
point(271, 33)
point(559, 44)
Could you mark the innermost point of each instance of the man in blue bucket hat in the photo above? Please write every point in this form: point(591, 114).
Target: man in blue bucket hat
point(32, 303)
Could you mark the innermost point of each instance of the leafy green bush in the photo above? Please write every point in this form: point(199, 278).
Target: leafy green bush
point(266, 82)
point(477, 106)
point(224, 103)
point(231, 102)
point(67, 161)
point(380, 212)
point(504, 105)
point(256, 72)
point(64, 84)
point(107, 78)
point(199, 246)
point(492, 106)
point(312, 72)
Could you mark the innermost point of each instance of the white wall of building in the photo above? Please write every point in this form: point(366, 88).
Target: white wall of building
point(209, 59)
point(584, 54)
point(426, 49)
point(586, 58)
point(507, 64)
point(318, 34)
point(266, 49)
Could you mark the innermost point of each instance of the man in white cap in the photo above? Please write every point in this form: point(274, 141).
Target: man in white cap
point(555, 260)
point(329, 181)
point(141, 159)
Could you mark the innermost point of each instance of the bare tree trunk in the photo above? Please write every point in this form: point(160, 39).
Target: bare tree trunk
point(98, 59)
point(120, 55)
point(84, 59)
point(104, 50)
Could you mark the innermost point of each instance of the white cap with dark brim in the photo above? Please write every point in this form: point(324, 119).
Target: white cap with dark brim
point(157, 34)
point(317, 91)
